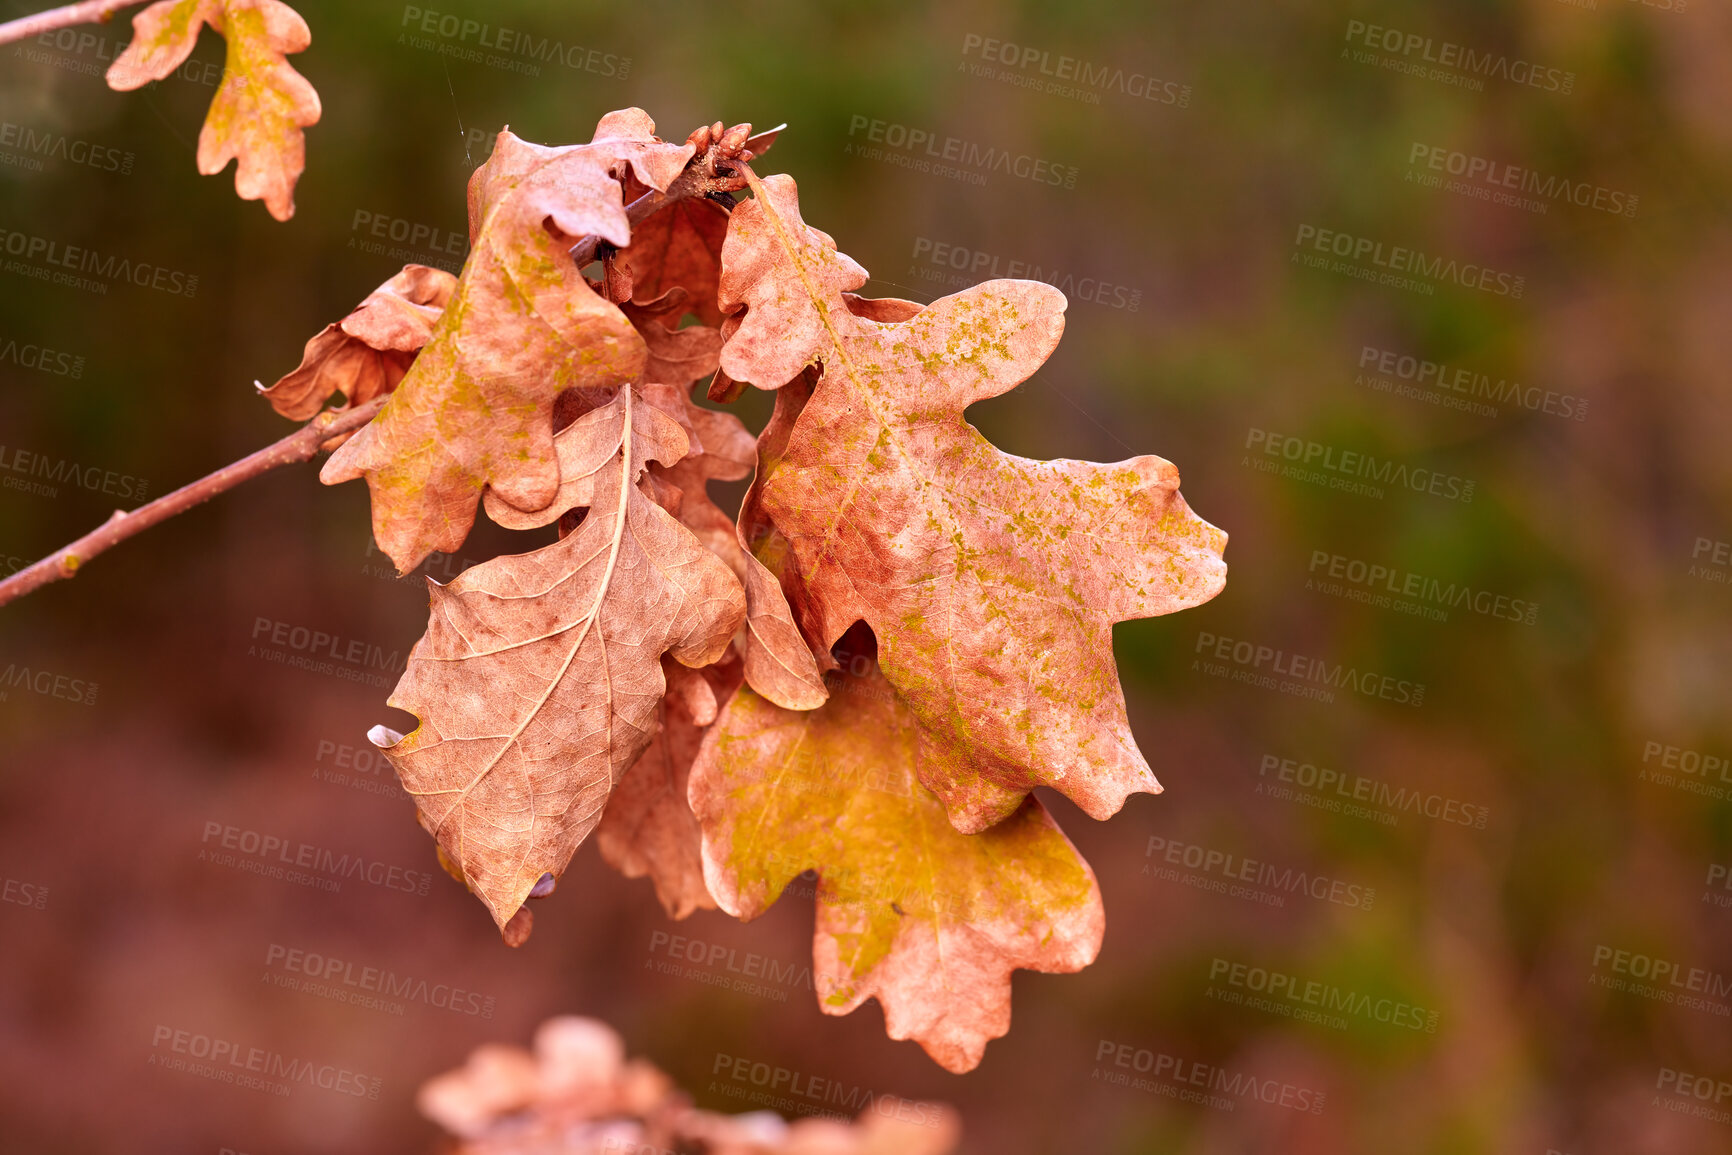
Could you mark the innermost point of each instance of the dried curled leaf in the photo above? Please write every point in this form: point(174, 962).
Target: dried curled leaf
point(366, 354)
point(929, 921)
point(262, 104)
point(648, 829)
point(778, 662)
point(576, 1094)
point(588, 453)
point(476, 408)
point(992, 582)
point(538, 679)
point(680, 247)
point(676, 356)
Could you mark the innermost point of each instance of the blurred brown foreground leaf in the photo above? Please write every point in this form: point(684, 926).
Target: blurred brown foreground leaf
point(575, 1093)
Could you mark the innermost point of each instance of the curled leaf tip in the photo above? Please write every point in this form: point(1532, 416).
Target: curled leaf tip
point(383, 737)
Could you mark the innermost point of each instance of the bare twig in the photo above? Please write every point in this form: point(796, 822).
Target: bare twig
point(84, 12)
point(298, 446)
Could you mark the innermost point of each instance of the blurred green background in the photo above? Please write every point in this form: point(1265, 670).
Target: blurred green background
point(1585, 739)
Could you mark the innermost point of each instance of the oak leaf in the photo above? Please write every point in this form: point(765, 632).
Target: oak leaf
point(538, 680)
point(262, 103)
point(680, 247)
point(929, 921)
point(648, 829)
point(676, 356)
point(476, 409)
point(366, 354)
point(586, 451)
point(991, 581)
point(764, 543)
point(778, 662)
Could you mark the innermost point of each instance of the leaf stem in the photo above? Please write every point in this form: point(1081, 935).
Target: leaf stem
point(299, 446)
point(84, 12)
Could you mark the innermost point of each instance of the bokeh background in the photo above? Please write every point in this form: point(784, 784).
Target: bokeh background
point(1535, 868)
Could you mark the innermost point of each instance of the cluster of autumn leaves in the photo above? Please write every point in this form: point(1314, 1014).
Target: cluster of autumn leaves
point(864, 674)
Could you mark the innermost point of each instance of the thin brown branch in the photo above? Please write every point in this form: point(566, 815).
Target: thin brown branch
point(84, 12)
point(301, 445)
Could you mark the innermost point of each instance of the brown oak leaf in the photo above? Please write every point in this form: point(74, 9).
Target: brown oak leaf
point(676, 356)
point(648, 828)
point(538, 679)
point(260, 107)
point(366, 353)
point(991, 581)
point(680, 247)
point(758, 535)
point(929, 921)
point(778, 662)
point(585, 450)
point(476, 408)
